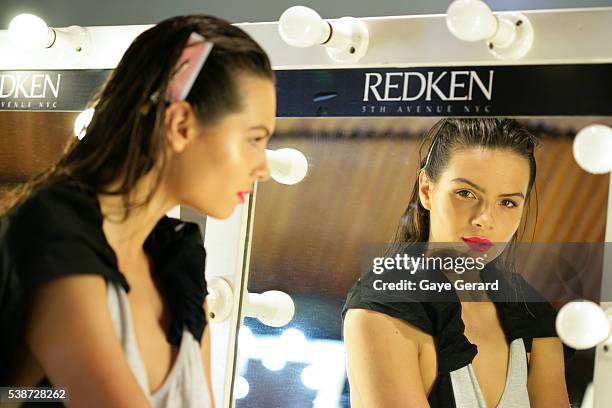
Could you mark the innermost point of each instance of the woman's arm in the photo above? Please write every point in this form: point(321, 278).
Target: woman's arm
point(71, 335)
point(383, 361)
point(206, 357)
point(546, 381)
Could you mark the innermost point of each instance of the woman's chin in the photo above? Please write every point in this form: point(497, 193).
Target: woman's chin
point(226, 212)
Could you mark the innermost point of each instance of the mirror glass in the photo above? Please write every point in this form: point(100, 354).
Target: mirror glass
point(308, 240)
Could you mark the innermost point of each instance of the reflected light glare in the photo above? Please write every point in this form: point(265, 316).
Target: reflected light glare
point(313, 377)
point(245, 336)
point(82, 121)
point(241, 388)
point(273, 359)
point(293, 340)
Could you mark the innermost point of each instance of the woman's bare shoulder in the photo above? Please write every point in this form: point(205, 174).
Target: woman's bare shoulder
point(368, 320)
point(383, 359)
point(71, 335)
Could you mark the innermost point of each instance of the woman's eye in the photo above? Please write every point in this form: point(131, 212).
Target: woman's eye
point(465, 194)
point(469, 194)
point(509, 204)
point(255, 140)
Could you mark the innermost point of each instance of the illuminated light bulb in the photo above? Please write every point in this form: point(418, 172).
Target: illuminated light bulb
point(30, 32)
point(241, 387)
point(294, 337)
point(293, 342)
point(592, 149)
point(272, 359)
point(316, 376)
point(288, 166)
point(69, 44)
point(583, 324)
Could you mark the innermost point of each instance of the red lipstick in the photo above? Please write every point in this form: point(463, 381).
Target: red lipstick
point(241, 195)
point(477, 243)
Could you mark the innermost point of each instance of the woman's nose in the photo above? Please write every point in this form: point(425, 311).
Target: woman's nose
point(484, 219)
point(262, 173)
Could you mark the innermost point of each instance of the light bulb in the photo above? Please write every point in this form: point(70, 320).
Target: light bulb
point(272, 359)
point(82, 121)
point(293, 342)
point(30, 31)
point(311, 377)
point(273, 308)
point(583, 324)
point(508, 36)
point(593, 149)
point(301, 26)
point(288, 166)
point(241, 388)
point(471, 20)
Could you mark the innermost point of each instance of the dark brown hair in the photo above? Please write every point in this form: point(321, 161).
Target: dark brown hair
point(449, 135)
point(125, 142)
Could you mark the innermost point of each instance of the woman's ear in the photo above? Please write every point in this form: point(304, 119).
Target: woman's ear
point(179, 122)
point(425, 190)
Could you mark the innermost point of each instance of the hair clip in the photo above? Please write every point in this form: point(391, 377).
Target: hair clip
point(188, 67)
point(429, 154)
point(185, 72)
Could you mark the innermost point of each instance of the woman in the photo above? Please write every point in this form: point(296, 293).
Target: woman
point(473, 187)
point(104, 294)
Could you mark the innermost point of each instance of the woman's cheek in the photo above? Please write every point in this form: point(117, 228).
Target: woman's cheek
point(455, 207)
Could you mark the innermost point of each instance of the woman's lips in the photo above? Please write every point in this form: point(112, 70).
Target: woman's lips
point(477, 243)
point(242, 194)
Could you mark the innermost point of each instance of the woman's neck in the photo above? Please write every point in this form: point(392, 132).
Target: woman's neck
point(127, 237)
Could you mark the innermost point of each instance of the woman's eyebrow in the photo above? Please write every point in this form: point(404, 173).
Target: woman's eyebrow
point(477, 187)
point(261, 127)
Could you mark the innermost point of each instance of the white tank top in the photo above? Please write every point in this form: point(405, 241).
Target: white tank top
point(515, 395)
point(185, 385)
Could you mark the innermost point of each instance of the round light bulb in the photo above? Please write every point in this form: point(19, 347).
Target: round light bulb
point(582, 324)
point(272, 359)
point(311, 377)
point(471, 20)
point(287, 166)
point(293, 342)
point(30, 31)
point(294, 338)
point(82, 121)
point(301, 26)
point(241, 388)
point(593, 149)
point(272, 308)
